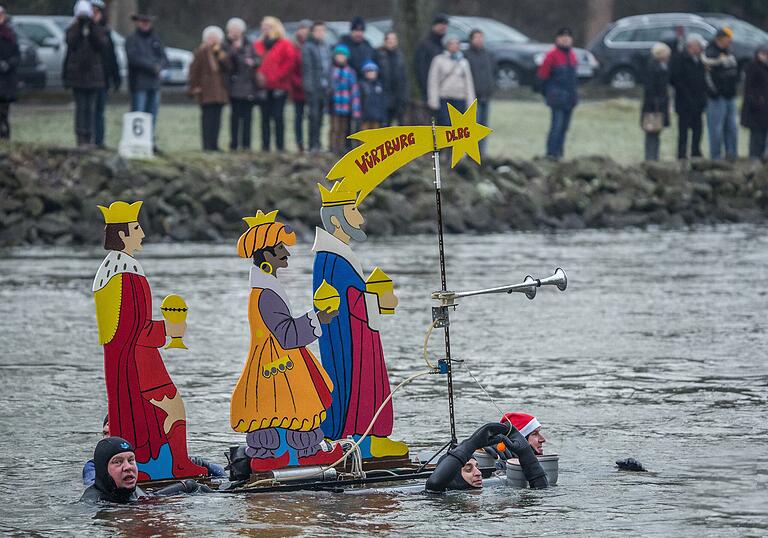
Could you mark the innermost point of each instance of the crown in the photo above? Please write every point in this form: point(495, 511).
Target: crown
point(260, 218)
point(335, 196)
point(121, 212)
point(377, 276)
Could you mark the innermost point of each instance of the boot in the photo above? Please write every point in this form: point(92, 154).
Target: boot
point(177, 441)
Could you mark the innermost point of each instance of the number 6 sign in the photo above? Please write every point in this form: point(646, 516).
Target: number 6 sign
point(136, 142)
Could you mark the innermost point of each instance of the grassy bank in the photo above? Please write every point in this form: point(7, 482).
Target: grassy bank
point(606, 127)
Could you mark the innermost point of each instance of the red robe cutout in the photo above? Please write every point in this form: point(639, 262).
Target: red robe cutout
point(135, 373)
point(370, 381)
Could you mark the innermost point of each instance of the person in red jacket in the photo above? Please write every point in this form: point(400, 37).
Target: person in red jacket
point(558, 80)
point(274, 76)
point(297, 86)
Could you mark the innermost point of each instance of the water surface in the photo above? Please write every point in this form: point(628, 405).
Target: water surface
point(657, 351)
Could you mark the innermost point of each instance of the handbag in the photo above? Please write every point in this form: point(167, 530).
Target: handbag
point(652, 122)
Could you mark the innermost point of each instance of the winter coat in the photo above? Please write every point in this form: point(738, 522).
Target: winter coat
point(345, 92)
point(242, 76)
point(360, 52)
point(426, 50)
point(10, 56)
point(687, 76)
point(656, 91)
point(146, 58)
point(723, 72)
point(277, 61)
point(112, 77)
point(83, 67)
point(315, 67)
point(558, 74)
point(208, 74)
point(374, 101)
point(297, 87)
point(481, 63)
point(449, 78)
point(394, 78)
point(754, 110)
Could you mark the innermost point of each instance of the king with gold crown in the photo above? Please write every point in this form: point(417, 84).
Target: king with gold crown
point(145, 408)
point(351, 348)
point(283, 392)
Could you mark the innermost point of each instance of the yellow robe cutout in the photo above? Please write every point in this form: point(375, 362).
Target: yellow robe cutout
point(289, 398)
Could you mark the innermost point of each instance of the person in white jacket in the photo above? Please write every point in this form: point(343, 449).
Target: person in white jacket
point(449, 81)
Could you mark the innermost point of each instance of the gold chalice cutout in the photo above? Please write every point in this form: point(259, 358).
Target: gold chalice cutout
point(174, 310)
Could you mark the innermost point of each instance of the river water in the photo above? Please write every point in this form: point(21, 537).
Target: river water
point(657, 350)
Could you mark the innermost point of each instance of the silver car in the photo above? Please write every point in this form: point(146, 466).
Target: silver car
point(49, 34)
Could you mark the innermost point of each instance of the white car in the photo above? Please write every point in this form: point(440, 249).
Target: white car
point(49, 34)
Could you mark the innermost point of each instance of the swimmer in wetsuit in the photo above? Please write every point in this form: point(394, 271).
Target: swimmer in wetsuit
point(89, 470)
point(117, 476)
point(458, 469)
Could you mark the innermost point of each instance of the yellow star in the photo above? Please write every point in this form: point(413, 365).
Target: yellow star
point(466, 145)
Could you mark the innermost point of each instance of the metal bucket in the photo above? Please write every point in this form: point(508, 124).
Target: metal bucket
point(516, 478)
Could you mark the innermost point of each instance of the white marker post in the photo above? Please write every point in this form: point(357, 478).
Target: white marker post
point(136, 142)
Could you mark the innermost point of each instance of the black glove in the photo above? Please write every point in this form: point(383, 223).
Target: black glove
point(486, 435)
point(519, 446)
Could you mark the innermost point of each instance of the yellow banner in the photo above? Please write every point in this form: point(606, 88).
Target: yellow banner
point(385, 150)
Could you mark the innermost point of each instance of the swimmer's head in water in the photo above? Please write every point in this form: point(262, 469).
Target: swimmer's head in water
point(536, 439)
point(471, 474)
point(116, 471)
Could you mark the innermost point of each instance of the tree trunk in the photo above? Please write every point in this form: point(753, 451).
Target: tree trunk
point(411, 21)
point(599, 14)
point(120, 12)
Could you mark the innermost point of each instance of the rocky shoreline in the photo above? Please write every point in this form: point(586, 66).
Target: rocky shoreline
point(49, 195)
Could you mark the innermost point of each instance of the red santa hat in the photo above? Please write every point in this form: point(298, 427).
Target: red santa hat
point(526, 424)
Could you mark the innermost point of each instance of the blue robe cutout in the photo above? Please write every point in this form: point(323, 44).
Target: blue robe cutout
point(336, 341)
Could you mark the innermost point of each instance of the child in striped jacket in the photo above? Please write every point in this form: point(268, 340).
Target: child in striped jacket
point(345, 100)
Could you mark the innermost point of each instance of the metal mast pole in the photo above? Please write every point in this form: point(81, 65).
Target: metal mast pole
point(441, 246)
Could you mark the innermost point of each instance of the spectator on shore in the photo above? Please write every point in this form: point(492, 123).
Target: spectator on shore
point(393, 77)
point(373, 98)
point(427, 49)
point(722, 81)
point(146, 59)
point(754, 110)
point(274, 75)
point(656, 99)
point(298, 96)
point(10, 57)
point(481, 64)
point(316, 72)
point(208, 75)
point(83, 70)
point(345, 100)
point(112, 78)
point(450, 81)
point(557, 74)
point(360, 50)
point(687, 76)
point(242, 84)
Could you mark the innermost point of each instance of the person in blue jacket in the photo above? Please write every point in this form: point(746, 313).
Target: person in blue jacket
point(374, 99)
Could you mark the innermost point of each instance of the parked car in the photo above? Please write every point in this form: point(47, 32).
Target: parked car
point(624, 46)
point(49, 34)
point(516, 56)
point(31, 71)
point(334, 31)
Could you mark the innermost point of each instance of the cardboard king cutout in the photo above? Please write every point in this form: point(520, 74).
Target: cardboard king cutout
point(351, 348)
point(145, 408)
point(283, 392)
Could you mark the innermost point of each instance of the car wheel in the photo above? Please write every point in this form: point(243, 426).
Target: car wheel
point(623, 78)
point(508, 77)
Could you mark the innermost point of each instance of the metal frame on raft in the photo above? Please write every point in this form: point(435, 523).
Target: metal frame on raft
point(447, 299)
